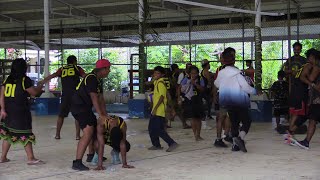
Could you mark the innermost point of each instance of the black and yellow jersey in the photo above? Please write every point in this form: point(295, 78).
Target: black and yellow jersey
point(70, 78)
point(107, 129)
point(81, 100)
point(15, 94)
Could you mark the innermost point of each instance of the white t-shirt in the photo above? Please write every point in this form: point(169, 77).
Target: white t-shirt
point(180, 78)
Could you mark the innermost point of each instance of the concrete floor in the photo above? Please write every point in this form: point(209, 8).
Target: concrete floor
point(267, 158)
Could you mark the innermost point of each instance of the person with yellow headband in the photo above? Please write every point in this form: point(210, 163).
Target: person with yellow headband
point(112, 131)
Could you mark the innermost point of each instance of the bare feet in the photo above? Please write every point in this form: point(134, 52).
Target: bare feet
point(4, 160)
point(35, 162)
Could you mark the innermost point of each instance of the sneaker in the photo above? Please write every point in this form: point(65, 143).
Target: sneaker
point(287, 136)
point(172, 147)
point(186, 126)
point(241, 144)
point(235, 148)
point(220, 143)
point(78, 165)
point(281, 129)
point(291, 142)
point(228, 139)
point(89, 157)
point(155, 148)
point(303, 144)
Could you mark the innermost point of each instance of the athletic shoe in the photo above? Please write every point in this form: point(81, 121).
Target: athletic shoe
point(228, 139)
point(291, 141)
point(155, 148)
point(220, 143)
point(241, 144)
point(89, 157)
point(172, 147)
point(287, 136)
point(288, 139)
point(235, 148)
point(303, 144)
point(78, 165)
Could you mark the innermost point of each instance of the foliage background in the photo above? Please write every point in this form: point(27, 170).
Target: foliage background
point(274, 55)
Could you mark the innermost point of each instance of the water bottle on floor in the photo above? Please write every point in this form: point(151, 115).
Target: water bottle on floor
point(111, 168)
point(115, 157)
point(94, 160)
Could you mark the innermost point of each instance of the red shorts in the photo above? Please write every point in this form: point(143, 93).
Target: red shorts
point(299, 112)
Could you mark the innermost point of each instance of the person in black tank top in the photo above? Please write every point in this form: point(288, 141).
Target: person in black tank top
point(16, 120)
point(89, 94)
point(207, 77)
point(314, 98)
point(70, 78)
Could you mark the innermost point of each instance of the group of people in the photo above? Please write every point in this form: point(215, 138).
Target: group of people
point(301, 100)
point(184, 94)
point(78, 97)
point(180, 94)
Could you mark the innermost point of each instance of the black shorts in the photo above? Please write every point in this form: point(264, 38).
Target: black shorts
point(216, 107)
point(314, 112)
point(85, 119)
point(280, 111)
point(193, 108)
point(65, 106)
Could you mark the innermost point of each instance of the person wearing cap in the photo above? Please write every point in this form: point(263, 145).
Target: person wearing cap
point(70, 77)
point(222, 118)
point(89, 93)
point(233, 95)
point(206, 76)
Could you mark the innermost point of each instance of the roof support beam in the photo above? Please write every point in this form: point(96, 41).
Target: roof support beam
point(12, 19)
point(113, 4)
point(9, 1)
point(87, 14)
point(223, 8)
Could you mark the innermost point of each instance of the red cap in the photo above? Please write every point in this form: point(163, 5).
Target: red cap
point(103, 63)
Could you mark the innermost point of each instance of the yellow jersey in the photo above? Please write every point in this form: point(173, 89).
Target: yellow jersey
point(160, 89)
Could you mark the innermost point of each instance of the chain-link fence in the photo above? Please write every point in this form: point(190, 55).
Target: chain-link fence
point(190, 37)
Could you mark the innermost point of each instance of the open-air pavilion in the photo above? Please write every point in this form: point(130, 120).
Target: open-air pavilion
point(49, 30)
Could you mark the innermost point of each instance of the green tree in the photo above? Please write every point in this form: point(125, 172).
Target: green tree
point(270, 65)
point(2, 54)
point(158, 55)
point(118, 73)
point(310, 43)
